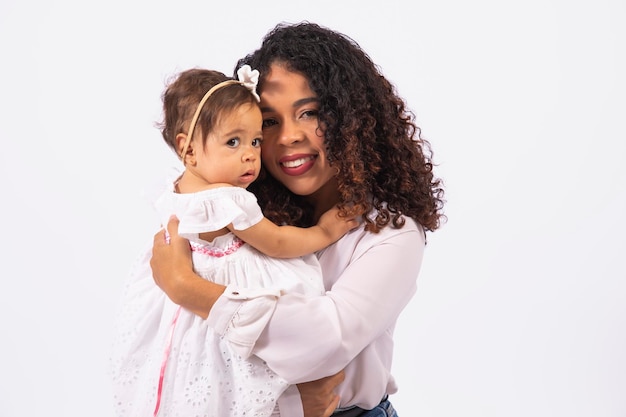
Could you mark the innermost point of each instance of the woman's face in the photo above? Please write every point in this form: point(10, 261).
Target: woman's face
point(293, 148)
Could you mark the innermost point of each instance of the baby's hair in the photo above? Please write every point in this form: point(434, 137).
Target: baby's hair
point(183, 94)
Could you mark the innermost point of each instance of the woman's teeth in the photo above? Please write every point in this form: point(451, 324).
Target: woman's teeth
point(296, 162)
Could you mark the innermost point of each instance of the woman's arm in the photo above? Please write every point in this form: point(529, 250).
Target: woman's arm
point(290, 241)
point(305, 338)
point(372, 277)
point(172, 271)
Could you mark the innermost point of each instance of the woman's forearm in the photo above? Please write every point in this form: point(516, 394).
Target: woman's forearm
point(172, 271)
point(195, 294)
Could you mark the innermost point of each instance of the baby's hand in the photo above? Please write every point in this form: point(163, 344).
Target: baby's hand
point(334, 226)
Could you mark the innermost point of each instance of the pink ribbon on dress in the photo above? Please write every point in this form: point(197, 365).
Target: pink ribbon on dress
point(215, 252)
point(166, 355)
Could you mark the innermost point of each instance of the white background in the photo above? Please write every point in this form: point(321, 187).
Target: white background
point(521, 307)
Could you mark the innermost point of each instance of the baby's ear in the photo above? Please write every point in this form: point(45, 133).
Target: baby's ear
point(181, 141)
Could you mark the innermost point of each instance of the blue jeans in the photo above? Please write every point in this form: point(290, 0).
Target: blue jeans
point(384, 409)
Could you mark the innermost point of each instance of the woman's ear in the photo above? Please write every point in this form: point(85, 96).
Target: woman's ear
point(189, 157)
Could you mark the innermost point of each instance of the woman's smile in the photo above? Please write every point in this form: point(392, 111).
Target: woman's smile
point(296, 164)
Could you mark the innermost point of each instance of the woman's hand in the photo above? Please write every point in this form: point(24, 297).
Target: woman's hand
point(170, 260)
point(318, 397)
point(172, 271)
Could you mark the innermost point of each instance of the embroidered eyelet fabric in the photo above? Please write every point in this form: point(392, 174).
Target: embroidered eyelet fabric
point(168, 360)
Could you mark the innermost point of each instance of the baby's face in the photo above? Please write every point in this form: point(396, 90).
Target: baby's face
point(232, 152)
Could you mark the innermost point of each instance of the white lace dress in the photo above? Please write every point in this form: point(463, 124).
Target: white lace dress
point(166, 358)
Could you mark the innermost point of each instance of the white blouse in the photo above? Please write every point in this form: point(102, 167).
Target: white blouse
point(369, 279)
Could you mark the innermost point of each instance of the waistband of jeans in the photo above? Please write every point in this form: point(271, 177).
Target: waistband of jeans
point(353, 411)
point(349, 412)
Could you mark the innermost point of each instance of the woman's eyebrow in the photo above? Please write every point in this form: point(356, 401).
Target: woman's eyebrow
point(304, 101)
point(296, 104)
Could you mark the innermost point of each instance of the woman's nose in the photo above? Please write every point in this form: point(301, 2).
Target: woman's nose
point(290, 133)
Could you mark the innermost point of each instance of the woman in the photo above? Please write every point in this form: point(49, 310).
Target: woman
point(334, 132)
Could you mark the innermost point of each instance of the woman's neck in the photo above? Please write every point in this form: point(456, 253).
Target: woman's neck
point(324, 198)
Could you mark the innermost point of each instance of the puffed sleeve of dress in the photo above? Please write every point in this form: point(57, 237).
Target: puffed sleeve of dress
point(369, 278)
point(209, 210)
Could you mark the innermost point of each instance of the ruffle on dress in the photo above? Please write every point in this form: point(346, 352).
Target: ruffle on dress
point(209, 210)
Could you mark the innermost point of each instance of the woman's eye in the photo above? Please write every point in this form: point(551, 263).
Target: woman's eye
point(268, 123)
point(233, 142)
point(257, 142)
point(309, 114)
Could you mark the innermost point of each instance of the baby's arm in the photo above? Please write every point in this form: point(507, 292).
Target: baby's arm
point(290, 241)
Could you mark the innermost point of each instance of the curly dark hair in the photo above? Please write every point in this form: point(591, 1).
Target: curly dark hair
point(371, 136)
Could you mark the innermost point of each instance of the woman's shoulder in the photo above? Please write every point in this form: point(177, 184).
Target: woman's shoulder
point(394, 245)
point(359, 240)
point(409, 230)
point(410, 226)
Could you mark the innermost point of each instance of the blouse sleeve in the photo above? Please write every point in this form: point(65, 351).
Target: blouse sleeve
point(306, 338)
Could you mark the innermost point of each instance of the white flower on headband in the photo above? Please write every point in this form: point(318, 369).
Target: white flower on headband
point(249, 78)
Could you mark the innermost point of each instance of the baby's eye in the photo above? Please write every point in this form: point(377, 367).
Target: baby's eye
point(233, 142)
point(257, 142)
point(268, 123)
